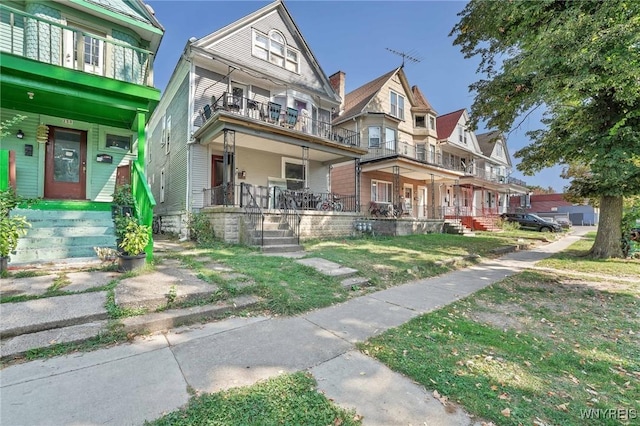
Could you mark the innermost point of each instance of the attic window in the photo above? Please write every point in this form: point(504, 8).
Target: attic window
point(273, 48)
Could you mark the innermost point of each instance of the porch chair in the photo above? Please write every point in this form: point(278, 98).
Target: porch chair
point(292, 117)
point(206, 113)
point(274, 112)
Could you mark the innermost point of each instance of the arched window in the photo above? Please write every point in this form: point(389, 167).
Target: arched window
point(273, 47)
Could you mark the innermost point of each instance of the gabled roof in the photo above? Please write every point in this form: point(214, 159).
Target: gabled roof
point(421, 102)
point(446, 124)
point(277, 6)
point(356, 100)
point(487, 142)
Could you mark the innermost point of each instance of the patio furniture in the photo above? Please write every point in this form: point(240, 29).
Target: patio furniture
point(291, 117)
point(274, 112)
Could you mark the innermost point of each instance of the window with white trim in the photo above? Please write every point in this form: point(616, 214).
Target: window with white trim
point(397, 105)
point(162, 185)
point(381, 191)
point(294, 172)
point(499, 152)
point(374, 137)
point(420, 121)
point(432, 122)
point(273, 48)
point(167, 134)
point(461, 135)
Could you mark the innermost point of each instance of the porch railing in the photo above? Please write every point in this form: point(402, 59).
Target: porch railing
point(279, 115)
point(32, 37)
point(288, 210)
point(252, 210)
point(245, 194)
point(144, 202)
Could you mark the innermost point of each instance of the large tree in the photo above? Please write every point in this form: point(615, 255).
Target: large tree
point(579, 62)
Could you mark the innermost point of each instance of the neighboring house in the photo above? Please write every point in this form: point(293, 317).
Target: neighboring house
point(244, 126)
point(425, 166)
point(556, 206)
point(81, 73)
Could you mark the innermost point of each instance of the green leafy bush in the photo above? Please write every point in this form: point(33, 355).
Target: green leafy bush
point(200, 229)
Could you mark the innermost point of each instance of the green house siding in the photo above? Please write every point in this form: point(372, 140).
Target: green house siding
point(174, 162)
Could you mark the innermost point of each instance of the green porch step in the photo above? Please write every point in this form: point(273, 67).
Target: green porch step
point(63, 234)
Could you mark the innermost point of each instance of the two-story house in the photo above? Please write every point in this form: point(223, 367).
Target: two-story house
point(79, 77)
point(244, 126)
point(419, 164)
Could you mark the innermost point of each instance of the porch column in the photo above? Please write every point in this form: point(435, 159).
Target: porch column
point(396, 182)
point(305, 166)
point(358, 169)
point(140, 124)
point(228, 167)
point(433, 197)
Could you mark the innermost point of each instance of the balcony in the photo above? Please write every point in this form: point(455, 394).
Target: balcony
point(392, 149)
point(45, 41)
point(279, 116)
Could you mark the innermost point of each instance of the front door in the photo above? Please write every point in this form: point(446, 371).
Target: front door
point(65, 164)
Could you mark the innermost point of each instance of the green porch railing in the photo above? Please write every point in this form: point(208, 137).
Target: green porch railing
point(144, 202)
point(44, 40)
point(4, 169)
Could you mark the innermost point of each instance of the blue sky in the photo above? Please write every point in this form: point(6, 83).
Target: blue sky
point(353, 36)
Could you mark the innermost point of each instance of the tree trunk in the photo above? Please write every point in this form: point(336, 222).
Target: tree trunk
point(608, 239)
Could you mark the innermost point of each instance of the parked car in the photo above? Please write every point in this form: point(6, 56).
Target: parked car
point(532, 222)
point(564, 222)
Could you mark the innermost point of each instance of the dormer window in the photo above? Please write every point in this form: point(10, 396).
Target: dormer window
point(273, 47)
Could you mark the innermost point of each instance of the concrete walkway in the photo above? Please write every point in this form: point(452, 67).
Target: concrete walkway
point(128, 384)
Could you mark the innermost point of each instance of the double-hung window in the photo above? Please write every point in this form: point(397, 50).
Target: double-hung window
point(381, 191)
point(397, 105)
point(374, 137)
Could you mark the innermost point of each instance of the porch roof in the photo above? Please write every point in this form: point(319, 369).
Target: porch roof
point(263, 136)
point(410, 169)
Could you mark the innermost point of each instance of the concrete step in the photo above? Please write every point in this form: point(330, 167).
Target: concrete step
point(280, 241)
point(328, 268)
point(62, 234)
point(70, 231)
point(15, 347)
point(53, 253)
point(48, 313)
point(284, 248)
point(30, 242)
point(354, 282)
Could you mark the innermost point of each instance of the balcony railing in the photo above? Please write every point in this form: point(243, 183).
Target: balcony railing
point(514, 181)
point(32, 37)
point(281, 116)
point(414, 152)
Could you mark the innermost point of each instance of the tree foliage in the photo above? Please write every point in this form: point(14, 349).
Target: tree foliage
point(580, 62)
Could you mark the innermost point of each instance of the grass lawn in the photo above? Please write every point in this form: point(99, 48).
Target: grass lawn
point(538, 348)
point(389, 261)
point(290, 399)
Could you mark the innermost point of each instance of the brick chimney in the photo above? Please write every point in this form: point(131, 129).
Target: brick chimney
point(337, 82)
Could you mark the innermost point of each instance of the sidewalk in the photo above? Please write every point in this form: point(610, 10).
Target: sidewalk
point(131, 383)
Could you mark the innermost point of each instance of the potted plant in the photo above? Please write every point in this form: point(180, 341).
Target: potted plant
point(135, 238)
point(11, 227)
point(122, 204)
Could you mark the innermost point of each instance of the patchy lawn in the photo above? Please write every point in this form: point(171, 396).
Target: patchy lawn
point(538, 348)
point(290, 399)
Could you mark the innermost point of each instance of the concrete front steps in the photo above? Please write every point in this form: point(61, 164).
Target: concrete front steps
point(278, 237)
point(63, 234)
